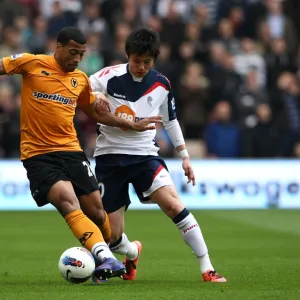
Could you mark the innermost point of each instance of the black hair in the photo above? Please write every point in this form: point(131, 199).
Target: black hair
point(71, 33)
point(143, 41)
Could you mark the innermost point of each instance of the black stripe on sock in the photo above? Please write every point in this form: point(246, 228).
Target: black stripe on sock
point(182, 215)
point(99, 251)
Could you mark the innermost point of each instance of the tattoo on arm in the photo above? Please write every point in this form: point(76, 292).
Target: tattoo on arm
point(2, 69)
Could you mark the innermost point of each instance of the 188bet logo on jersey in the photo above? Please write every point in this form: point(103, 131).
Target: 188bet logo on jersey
point(125, 113)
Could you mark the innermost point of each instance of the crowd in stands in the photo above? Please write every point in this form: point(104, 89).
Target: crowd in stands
point(233, 66)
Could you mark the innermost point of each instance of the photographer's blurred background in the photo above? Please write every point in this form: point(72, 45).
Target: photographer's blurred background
point(233, 66)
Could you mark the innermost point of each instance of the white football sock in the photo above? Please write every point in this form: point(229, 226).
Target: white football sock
point(126, 247)
point(102, 252)
point(205, 263)
point(192, 235)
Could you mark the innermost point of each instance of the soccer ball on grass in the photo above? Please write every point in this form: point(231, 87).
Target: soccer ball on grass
point(76, 265)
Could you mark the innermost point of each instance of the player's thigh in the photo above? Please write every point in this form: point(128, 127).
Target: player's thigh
point(155, 185)
point(113, 185)
point(43, 171)
point(150, 175)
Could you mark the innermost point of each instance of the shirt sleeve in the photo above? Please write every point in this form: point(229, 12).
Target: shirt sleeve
point(168, 108)
point(99, 82)
point(18, 63)
point(86, 97)
point(174, 132)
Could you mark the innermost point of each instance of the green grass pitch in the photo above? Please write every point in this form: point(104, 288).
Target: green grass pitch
point(258, 252)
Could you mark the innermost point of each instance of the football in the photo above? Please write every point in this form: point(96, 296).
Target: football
point(76, 265)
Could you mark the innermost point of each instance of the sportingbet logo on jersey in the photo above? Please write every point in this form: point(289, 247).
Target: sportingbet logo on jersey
point(55, 97)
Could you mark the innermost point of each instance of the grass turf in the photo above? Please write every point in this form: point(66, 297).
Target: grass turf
point(258, 252)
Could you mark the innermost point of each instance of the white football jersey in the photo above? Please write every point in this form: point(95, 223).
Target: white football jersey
point(132, 99)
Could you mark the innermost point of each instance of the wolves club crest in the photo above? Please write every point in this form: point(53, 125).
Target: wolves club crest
point(74, 82)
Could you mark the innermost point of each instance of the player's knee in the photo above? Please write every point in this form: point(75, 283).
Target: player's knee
point(170, 205)
point(172, 209)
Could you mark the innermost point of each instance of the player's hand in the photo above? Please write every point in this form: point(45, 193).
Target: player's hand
point(146, 124)
point(188, 170)
point(101, 105)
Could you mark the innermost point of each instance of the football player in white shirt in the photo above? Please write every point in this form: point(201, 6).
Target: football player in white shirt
point(136, 91)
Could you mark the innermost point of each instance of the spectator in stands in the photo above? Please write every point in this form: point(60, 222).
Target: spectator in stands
point(182, 8)
point(129, 13)
point(22, 23)
point(214, 67)
point(238, 22)
point(231, 80)
point(37, 41)
point(92, 21)
point(278, 60)
point(248, 59)
point(9, 11)
point(222, 137)
point(286, 107)
point(264, 38)
point(208, 8)
point(165, 65)
point(186, 53)
point(122, 30)
point(205, 17)
point(12, 42)
point(57, 21)
point(264, 139)
point(10, 122)
point(226, 36)
point(280, 25)
point(193, 35)
point(92, 61)
point(172, 29)
point(193, 99)
point(248, 97)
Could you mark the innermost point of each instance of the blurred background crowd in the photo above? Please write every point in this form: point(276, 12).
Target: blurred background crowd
point(234, 66)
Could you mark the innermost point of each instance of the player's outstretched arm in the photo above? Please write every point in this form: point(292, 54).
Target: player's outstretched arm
point(2, 69)
point(99, 112)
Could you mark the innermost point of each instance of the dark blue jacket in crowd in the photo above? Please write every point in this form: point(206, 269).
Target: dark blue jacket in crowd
point(222, 139)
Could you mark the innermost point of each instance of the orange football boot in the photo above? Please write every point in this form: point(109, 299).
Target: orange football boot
point(212, 276)
point(131, 264)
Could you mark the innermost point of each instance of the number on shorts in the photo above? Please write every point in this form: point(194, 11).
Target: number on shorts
point(88, 168)
point(101, 188)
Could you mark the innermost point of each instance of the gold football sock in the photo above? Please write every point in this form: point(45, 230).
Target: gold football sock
point(84, 229)
point(105, 229)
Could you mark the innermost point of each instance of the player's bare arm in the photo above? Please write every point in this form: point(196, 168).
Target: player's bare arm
point(2, 69)
point(99, 112)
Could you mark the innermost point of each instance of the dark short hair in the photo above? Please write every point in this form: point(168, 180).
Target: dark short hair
point(71, 33)
point(143, 41)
